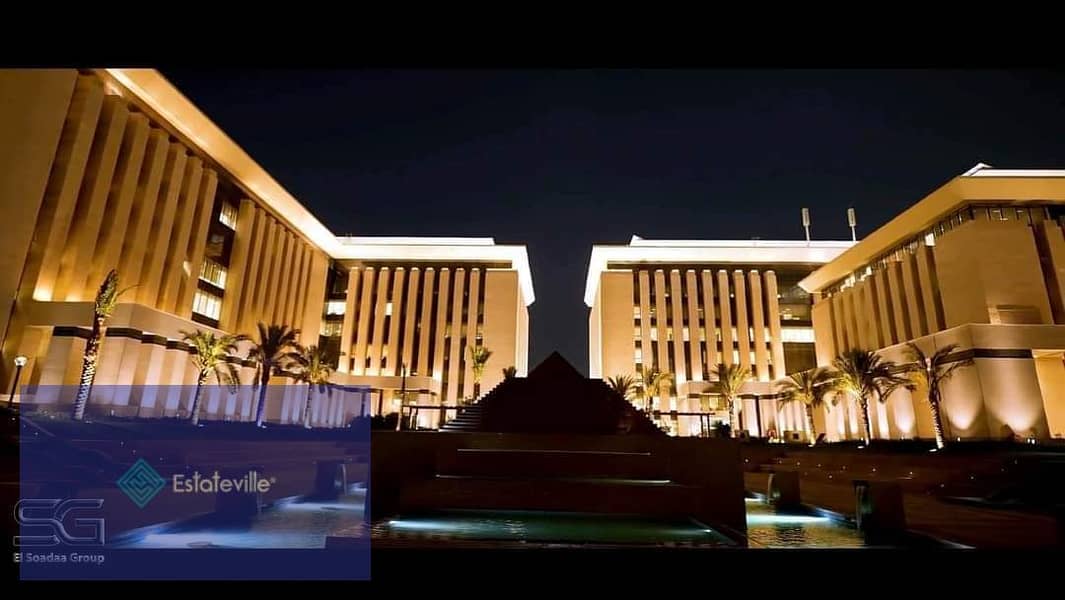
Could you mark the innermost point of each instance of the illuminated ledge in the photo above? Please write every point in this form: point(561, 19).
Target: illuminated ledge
point(979, 184)
point(441, 249)
point(770, 252)
point(150, 89)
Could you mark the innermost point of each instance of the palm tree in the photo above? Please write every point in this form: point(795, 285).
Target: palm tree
point(650, 385)
point(624, 385)
point(510, 372)
point(275, 349)
point(862, 374)
point(478, 359)
point(315, 367)
point(106, 300)
point(730, 378)
point(932, 372)
point(210, 357)
point(809, 387)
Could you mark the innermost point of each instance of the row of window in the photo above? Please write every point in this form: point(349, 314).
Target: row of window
point(207, 305)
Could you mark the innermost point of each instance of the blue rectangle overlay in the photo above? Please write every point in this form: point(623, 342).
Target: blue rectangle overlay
point(258, 486)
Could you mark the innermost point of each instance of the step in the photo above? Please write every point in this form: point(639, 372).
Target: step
point(537, 463)
point(665, 499)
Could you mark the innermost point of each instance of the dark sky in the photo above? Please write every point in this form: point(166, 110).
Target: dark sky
point(559, 160)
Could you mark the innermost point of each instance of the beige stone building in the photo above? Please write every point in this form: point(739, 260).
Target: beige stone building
point(115, 168)
point(979, 262)
point(685, 306)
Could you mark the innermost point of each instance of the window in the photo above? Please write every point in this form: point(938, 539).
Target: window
point(207, 305)
point(228, 216)
point(388, 309)
point(335, 307)
point(636, 333)
point(654, 334)
point(702, 334)
point(636, 312)
point(687, 335)
point(331, 328)
point(802, 335)
point(213, 273)
point(669, 334)
point(639, 356)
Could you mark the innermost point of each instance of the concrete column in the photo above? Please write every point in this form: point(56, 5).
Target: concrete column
point(410, 313)
point(455, 346)
point(761, 354)
point(441, 325)
point(884, 310)
point(839, 328)
point(425, 349)
point(694, 349)
point(776, 344)
point(176, 255)
point(918, 324)
point(660, 320)
point(710, 325)
point(850, 322)
point(392, 349)
point(743, 334)
point(198, 244)
point(677, 305)
point(278, 253)
point(926, 276)
point(347, 330)
point(376, 343)
point(148, 292)
point(727, 323)
point(61, 370)
point(363, 332)
point(134, 244)
point(150, 386)
point(899, 305)
point(471, 332)
point(648, 358)
point(246, 268)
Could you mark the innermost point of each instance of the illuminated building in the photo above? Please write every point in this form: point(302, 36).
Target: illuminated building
point(115, 168)
point(979, 262)
point(683, 307)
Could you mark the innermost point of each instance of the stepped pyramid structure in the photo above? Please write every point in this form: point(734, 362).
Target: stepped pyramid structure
point(553, 398)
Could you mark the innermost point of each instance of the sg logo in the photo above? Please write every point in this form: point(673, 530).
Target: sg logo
point(50, 514)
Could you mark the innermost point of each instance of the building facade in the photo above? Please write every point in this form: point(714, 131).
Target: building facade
point(683, 307)
point(414, 308)
point(115, 169)
point(979, 262)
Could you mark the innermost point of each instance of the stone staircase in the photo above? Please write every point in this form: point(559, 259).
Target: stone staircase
point(468, 419)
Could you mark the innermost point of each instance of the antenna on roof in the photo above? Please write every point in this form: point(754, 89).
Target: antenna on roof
point(852, 220)
point(806, 223)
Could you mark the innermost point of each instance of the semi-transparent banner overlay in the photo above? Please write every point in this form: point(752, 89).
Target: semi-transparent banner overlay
point(246, 486)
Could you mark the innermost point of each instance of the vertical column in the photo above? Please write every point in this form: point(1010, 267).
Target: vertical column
point(60, 370)
point(61, 194)
point(174, 264)
point(926, 273)
point(660, 318)
point(850, 322)
point(918, 325)
point(839, 328)
point(871, 314)
point(120, 204)
point(375, 346)
point(300, 288)
point(145, 195)
point(362, 333)
point(410, 313)
point(347, 329)
point(895, 290)
point(455, 325)
point(271, 270)
point(676, 299)
point(392, 352)
point(776, 344)
point(471, 331)
point(92, 198)
point(883, 317)
point(727, 325)
point(761, 354)
point(161, 227)
point(425, 350)
point(198, 242)
point(314, 293)
point(76, 260)
point(286, 285)
point(743, 334)
point(239, 259)
point(441, 325)
point(694, 349)
point(279, 276)
point(648, 358)
point(709, 325)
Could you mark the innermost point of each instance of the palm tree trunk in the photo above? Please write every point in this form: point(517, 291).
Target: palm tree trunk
point(810, 424)
point(260, 411)
point(307, 407)
point(867, 428)
point(195, 410)
point(734, 417)
point(88, 369)
point(476, 390)
point(937, 418)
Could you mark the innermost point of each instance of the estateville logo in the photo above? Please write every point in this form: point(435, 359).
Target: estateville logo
point(141, 483)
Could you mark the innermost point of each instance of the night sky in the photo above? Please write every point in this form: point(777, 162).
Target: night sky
point(559, 160)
